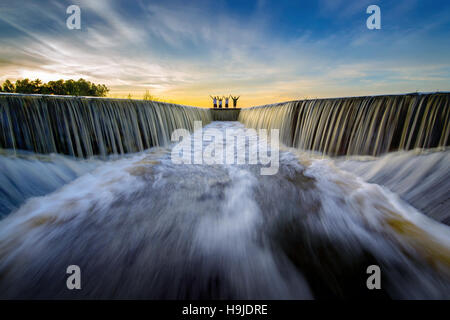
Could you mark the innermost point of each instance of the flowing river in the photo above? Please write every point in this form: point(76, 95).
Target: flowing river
point(140, 226)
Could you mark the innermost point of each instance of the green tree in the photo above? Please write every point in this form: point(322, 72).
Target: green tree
point(27, 86)
point(70, 87)
point(80, 87)
point(56, 87)
point(83, 88)
point(8, 86)
point(101, 90)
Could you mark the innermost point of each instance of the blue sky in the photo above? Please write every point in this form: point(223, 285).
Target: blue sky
point(265, 51)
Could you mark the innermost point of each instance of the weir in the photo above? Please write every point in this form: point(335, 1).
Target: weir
point(83, 127)
point(370, 125)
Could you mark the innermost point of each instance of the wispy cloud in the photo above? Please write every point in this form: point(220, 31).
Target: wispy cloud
point(185, 51)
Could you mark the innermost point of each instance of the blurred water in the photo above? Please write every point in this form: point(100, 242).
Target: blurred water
point(421, 177)
point(143, 227)
point(371, 125)
point(88, 126)
point(24, 175)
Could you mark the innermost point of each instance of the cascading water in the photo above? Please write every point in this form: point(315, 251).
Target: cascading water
point(24, 175)
point(142, 226)
point(84, 127)
point(420, 177)
point(358, 126)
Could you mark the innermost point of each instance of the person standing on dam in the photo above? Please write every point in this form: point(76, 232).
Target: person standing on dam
point(226, 101)
point(220, 102)
point(235, 99)
point(214, 101)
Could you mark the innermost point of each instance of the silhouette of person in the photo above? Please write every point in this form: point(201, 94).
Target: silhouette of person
point(220, 102)
point(214, 101)
point(226, 101)
point(235, 99)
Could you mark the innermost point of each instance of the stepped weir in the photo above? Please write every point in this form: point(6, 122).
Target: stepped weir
point(84, 127)
point(359, 125)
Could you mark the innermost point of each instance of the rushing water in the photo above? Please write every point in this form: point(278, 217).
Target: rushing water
point(84, 127)
point(360, 125)
point(24, 175)
point(420, 177)
point(144, 227)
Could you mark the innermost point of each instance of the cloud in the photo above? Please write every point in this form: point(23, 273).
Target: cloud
point(186, 51)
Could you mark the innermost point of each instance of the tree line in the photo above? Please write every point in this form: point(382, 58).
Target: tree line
point(70, 87)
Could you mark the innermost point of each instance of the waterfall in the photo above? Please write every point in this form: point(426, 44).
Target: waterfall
point(420, 177)
point(142, 227)
point(25, 174)
point(358, 126)
point(83, 127)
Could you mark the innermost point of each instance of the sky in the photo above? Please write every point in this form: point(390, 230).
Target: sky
point(264, 51)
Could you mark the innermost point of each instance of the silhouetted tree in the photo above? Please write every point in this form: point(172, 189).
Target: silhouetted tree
point(56, 87)
point(80, 87)
point(27, 86)
point(8, 86)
